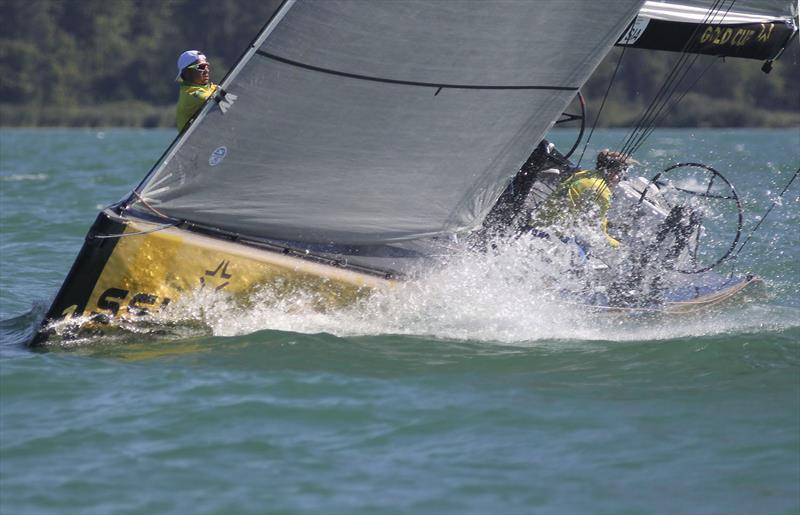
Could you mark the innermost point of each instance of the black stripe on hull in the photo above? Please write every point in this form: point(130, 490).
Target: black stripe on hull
point(82, 277)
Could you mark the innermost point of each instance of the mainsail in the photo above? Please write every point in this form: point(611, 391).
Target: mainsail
point(354, 122)
point(754, 29)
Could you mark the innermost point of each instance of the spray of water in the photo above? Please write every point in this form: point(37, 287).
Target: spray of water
point(513, 295)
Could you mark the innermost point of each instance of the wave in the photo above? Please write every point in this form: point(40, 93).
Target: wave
point(25, 177)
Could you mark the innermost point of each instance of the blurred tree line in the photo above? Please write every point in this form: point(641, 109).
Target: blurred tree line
point(719, 92)
point(111, 62)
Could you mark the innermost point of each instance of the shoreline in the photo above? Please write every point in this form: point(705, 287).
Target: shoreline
point(698, 113)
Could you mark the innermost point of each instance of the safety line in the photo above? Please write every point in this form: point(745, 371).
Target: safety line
point(602, 104)
point(774, 203)
point(139, 233)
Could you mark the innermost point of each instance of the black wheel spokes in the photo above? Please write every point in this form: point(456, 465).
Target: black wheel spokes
point(703, 194)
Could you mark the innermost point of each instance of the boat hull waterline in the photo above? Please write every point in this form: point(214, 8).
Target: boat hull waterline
point(148, 267)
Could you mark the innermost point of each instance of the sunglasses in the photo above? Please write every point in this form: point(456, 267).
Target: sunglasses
point(199, 66)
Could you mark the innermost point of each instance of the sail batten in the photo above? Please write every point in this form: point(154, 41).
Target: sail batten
point(411, 82)
point(362, 123)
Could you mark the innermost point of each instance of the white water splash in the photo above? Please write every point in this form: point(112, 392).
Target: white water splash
point(509, 297)
point(25, 177)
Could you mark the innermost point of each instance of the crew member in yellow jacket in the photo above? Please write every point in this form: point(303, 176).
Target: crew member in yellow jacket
point(194, 76)
point(585, 197)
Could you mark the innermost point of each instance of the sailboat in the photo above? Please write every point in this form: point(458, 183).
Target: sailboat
point(354, 140)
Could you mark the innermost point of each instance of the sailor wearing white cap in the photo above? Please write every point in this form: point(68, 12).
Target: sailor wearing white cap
point(194, 75)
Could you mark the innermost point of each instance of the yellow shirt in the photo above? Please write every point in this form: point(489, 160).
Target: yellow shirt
point(190, 99)
point(584, 192)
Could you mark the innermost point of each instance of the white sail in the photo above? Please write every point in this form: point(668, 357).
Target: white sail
point(362, 122)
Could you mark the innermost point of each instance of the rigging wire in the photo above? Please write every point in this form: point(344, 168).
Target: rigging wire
point(602, 104)
point(670, 83)
point(774, 203)
point(683, 65)
point(645, 130)
point(652, 127)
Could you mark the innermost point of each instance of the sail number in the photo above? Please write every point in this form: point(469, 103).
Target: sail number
point(139, 304)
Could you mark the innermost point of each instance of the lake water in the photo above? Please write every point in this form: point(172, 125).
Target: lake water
point(460, 395)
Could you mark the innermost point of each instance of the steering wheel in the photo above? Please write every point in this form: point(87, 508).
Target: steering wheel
point(569, 117)
point(704, 194)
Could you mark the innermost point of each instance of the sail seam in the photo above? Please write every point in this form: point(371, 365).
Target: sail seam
point(436, 85)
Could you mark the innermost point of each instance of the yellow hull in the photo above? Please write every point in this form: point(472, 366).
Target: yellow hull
point(129, 267)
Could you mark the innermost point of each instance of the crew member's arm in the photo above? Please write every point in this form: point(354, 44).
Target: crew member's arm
point(604, 201)
point(593, 194)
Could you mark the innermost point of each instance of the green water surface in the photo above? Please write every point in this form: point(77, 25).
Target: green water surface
point(467, 399)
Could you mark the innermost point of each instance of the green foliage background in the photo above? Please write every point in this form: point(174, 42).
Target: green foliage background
point(112, 63)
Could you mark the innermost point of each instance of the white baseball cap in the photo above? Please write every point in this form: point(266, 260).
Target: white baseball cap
point(188, 58)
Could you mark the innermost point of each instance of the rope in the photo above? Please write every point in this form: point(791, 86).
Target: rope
point(602, 104)
point(774, 203)
point(148, 206)
point(647, 122)
point(667, 88)
point(652, 127)
point(139, 233)
point(671, 83)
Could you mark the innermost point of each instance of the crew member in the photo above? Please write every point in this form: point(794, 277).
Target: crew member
point(194, 76)
point(585, 196)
